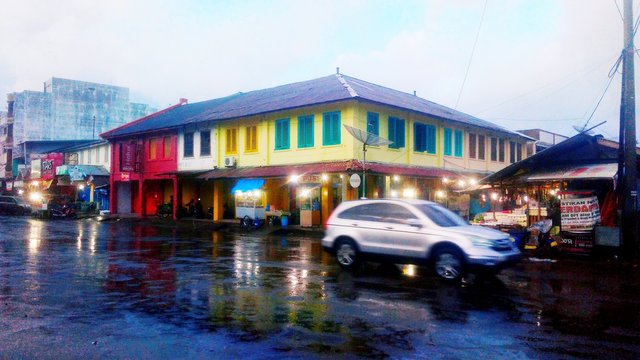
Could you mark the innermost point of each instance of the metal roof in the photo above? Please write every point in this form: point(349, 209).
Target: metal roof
point(328, 89)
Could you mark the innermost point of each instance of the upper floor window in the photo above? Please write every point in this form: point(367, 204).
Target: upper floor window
point(494, 149)
point(501, 151)
point(424, 138)
point(396, 132)
point(473, 142)
point(331, 128)
point(458, 136)
point(481, 147)
point(251, 138)
point(167, 147)
point(282, 134)
point(205, 143)
point(519, 152)
point(153, 148)
point(305, 131)
point(512, 152)
point(188, 144)
point(373, 123)
point(232, 141)
point(448, 141)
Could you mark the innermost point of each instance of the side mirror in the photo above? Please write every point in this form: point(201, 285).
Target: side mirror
point(414, 223)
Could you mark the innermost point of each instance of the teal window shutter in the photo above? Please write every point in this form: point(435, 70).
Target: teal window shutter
point(305, 131)
point(373, 123)
point(458, 143)
point(282, 134)
point(419, 137)
point(331, 128)
point(400, 132)
point(431, 139)
point(447, 141)
point(392, 133)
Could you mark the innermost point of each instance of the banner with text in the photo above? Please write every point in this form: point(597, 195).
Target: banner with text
point(579, 214)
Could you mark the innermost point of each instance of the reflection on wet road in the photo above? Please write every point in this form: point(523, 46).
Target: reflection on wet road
point(77, 289)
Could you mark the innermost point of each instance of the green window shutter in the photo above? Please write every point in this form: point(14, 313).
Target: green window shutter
point(282, 134)
point(419, 137)
point(400, 132)
point(447, 141)
point(373, 123)
point(286, 134)
point(392, 133)
point(305, 131)
point(331, 128)
point(431, 139)
point(458, 143)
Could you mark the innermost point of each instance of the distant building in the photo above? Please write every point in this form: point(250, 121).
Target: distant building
point(64, 110)
point(545, 139)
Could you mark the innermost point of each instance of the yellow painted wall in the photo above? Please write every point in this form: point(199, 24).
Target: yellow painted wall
point(352, 113)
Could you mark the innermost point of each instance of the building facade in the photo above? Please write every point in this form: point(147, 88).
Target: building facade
point(294, 144)
point(64, 110)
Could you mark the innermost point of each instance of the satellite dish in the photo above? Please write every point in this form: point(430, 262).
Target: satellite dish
point(367, 139)
point(582, 129)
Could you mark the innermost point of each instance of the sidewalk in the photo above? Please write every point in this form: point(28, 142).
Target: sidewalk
point(206, 224)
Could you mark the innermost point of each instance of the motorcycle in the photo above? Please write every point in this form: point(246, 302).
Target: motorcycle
point(64, 212)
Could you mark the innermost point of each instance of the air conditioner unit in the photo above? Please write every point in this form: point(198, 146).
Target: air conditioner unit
point(229, 161)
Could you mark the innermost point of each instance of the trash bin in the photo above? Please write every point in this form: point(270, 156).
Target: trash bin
point(284, 221)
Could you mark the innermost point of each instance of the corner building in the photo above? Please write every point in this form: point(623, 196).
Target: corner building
point(287, 148)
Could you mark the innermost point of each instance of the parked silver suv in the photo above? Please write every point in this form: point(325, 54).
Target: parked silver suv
point(414, 231)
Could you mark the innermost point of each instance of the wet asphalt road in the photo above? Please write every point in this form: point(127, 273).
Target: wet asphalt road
point(83, 289)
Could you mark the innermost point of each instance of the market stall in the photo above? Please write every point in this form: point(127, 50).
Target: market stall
point(567, 190)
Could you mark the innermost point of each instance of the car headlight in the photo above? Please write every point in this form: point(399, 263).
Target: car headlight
point(481, 242)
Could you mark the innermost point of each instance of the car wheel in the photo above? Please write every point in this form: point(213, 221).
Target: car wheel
point(448, 264)
point(347, 254)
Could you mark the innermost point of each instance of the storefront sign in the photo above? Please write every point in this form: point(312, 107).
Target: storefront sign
point(128, 156)
point(125, 176)
point(76, 174)
point(49, 165)
point(9, 186)
point(310, 179)
point(35, 169)
point(354, 180)
point(579, 214)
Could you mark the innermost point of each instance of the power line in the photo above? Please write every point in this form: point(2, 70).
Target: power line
point(611, 75)
point(473, 50)
point(619, 11)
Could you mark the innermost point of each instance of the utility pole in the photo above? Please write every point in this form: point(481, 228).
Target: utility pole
point(627, 179)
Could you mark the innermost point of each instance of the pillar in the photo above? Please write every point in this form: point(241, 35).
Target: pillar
point(175, 197)
point(326, 196)
point(218, 200)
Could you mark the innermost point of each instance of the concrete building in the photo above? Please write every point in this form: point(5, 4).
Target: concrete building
point(286, 148)
point(63, 110)
point(544, 139)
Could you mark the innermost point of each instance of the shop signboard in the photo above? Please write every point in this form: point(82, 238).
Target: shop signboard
point(580, 214)
point(125, 176)
point(49, 165)
point(128, 157)
point(76, 174)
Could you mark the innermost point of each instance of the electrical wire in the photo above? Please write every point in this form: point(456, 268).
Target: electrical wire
point(473, 50)
point(611, 75)
point(619, 11)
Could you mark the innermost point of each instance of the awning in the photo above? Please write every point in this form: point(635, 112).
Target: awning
point(244, 185)
point(327, 167)
point(584, 172)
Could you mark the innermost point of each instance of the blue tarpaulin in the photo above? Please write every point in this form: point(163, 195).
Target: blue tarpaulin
point(244, 185)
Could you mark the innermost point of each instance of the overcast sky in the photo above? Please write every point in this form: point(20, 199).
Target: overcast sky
point(537, 64)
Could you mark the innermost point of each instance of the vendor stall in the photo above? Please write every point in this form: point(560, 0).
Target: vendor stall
point(567, 185)
point(249, 199)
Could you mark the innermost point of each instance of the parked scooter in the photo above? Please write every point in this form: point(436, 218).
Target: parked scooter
point(64, 212)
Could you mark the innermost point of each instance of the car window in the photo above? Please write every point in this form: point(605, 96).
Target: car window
point(364, 212)
point(393, 213)
point(379, 212)
point(442, 216)
point(6, 199)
